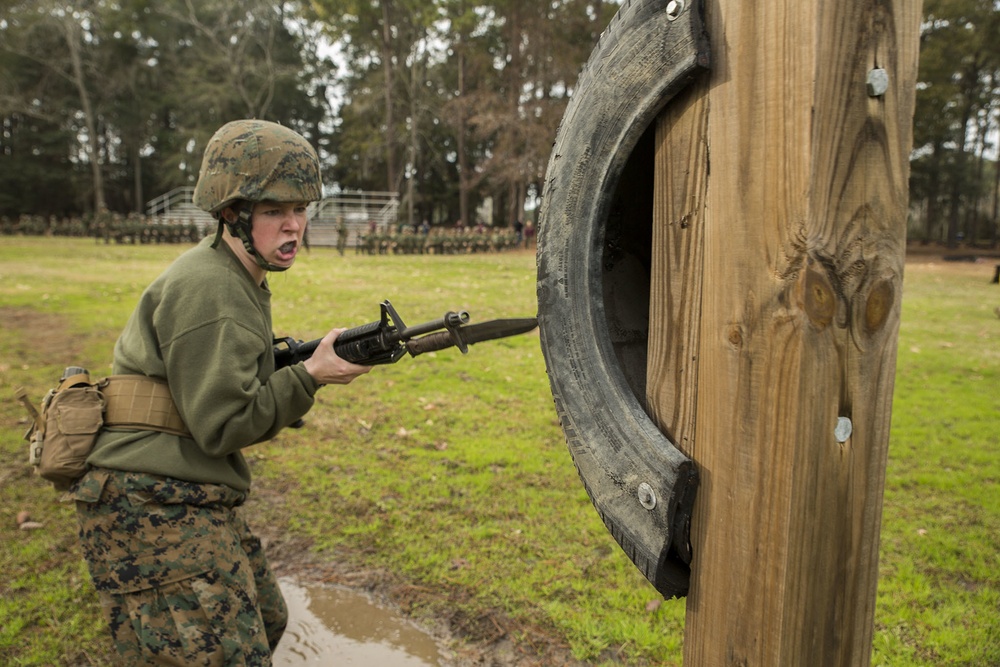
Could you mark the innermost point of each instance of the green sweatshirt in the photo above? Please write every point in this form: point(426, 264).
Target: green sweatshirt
point(205, 327)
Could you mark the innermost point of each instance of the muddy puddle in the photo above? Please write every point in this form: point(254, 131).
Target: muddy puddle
point(335, 626)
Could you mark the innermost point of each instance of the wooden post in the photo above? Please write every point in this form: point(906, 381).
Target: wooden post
point(775, 307)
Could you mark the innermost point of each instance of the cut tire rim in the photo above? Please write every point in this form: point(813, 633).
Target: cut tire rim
point(593, 283)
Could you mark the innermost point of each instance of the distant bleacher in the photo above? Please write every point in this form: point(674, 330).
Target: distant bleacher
point(360, 210)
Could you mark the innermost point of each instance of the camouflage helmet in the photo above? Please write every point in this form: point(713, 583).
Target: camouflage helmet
point(249, 161)
point(256, 160)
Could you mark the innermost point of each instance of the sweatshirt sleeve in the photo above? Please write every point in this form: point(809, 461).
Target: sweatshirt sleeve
point(215, 373)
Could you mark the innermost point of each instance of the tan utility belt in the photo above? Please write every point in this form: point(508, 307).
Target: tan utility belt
point(141, 403)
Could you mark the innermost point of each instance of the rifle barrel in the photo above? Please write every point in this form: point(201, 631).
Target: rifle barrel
point(450, 319)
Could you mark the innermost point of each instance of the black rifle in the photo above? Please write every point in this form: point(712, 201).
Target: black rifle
point(387, 340)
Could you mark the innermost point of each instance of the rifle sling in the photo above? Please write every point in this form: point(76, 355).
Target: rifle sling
point(141, 403)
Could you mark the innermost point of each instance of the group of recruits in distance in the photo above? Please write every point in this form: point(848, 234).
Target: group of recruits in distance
point(181, 578)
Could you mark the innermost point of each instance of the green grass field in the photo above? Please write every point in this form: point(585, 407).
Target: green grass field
point(450, 476)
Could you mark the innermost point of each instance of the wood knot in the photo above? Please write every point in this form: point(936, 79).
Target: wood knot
point(879, 305)
point(736, 336)
point(820, 299)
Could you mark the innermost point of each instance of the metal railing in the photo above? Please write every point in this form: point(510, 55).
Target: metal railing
point(361, 210)
point(176, 207)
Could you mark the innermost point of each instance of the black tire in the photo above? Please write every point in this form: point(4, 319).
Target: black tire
point(593, 283)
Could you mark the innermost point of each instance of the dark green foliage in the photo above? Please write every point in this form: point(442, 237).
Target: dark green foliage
point(450, 103)
point(954, 174)
point(137, 87)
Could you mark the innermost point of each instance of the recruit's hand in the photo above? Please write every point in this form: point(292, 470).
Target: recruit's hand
point(327, 368)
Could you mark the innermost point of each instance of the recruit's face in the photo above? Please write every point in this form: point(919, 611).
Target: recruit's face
point(278, 229)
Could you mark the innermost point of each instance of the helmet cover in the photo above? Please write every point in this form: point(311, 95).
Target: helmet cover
point(257, 160)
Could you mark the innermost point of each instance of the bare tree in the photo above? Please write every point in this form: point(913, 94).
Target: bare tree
point(73, 25)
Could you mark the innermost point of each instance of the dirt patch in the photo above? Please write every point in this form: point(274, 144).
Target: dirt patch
point(37, 337)
point(484, 639)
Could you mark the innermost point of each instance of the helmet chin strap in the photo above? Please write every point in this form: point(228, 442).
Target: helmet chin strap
point(242, 228)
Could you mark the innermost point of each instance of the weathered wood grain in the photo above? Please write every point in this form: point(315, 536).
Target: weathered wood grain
point(779, 243)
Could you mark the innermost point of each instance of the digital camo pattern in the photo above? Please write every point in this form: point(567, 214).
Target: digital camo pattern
point(257, 160)
point(181, 579)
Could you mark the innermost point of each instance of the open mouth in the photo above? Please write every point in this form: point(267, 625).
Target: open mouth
point(288, 250)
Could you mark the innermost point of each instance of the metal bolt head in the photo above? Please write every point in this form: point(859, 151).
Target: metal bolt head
point(647, 497)
point(878, 82)
point(843, 430)
point(674, 9)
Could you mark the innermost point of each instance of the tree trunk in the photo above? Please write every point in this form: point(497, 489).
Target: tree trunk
point(933, 216)
point(388, 67)
point(515, 127)
point(71, 32)
point(139, 204)
point(995, 218)
point(464, 180)
point(957, 176)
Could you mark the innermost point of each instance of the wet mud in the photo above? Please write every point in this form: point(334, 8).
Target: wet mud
point(331, 625)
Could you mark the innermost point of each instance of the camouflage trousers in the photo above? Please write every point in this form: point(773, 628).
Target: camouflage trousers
point(181, 579)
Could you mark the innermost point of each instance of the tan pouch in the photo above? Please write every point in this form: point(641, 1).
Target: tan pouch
point(65, 431)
